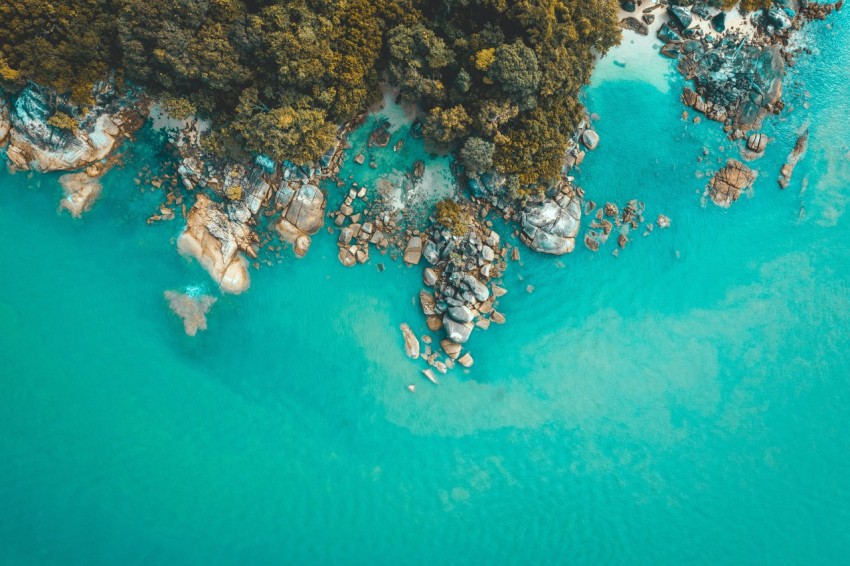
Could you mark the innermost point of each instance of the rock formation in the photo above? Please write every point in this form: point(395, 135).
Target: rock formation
point(36, 144)
point(303, 215)
point(215, 237)
point(726, 185)
point(461, 264)
point(81, 190)
point(791, 162)
point(551, 226)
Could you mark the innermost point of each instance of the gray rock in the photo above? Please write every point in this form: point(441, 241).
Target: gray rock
point(757, 142)
point(487, 253)
point(550, 228)
point(461, 313)
point(457, 332)
point(477, 288)
point(590, 139)
point(429, 277)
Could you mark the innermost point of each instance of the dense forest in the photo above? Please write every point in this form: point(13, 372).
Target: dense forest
point(497, 80)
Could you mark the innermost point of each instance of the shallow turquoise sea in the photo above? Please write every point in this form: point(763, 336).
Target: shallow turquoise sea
point(685, 402)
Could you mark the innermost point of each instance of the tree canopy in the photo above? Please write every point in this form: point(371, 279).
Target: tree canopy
point(498, 78)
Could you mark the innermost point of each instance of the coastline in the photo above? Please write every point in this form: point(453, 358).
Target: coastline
point(223, 234)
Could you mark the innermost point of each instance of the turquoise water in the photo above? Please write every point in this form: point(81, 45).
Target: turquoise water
point(685, 402)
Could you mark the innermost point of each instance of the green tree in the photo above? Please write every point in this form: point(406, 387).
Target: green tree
point(477, 155)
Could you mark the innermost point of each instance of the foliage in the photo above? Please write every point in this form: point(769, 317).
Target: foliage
point(62, 121)
point(452, 216)
point(477, 155)
point(233, 192)
point(278, 77)
point(177, 107)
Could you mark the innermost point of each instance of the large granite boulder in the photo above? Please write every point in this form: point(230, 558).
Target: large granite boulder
point(681, 16)
point(307, 209)
point(37, 145)
point(215, 240)
point(457, 332)
point(726, 185)
point(552, 225)
point(304, 215)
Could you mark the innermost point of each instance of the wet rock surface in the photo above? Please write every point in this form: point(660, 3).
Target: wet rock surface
point(551, 226)
point(799, 150)
point(215, 236)
point(38, 145)
point(728, 183)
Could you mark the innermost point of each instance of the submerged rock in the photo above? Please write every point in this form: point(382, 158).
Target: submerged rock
point(81, 190)
point(215, 240)
point(192, 309)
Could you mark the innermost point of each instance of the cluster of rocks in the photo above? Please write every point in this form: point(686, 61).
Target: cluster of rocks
point(88, 147)
point(461, 265)
point(736, 82)
point(462, 295)
point(234, 197)
point(728, 183)
point(788, 167)
point(363, 223)
point(737, 76)
point(610, 219)
point(584, 138)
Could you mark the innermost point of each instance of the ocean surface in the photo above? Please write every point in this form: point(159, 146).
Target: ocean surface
point(685, 402)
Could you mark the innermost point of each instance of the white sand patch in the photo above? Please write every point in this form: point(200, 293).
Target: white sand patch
point(193, 127)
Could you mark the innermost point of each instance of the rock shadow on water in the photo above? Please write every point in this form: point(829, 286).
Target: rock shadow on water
point(191, 308)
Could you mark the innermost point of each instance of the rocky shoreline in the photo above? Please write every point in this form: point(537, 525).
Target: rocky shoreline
point(238, 209)
point(737, 71)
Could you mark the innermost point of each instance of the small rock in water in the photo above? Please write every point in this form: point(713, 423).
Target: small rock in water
point(411, 344)
point(466, 360)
